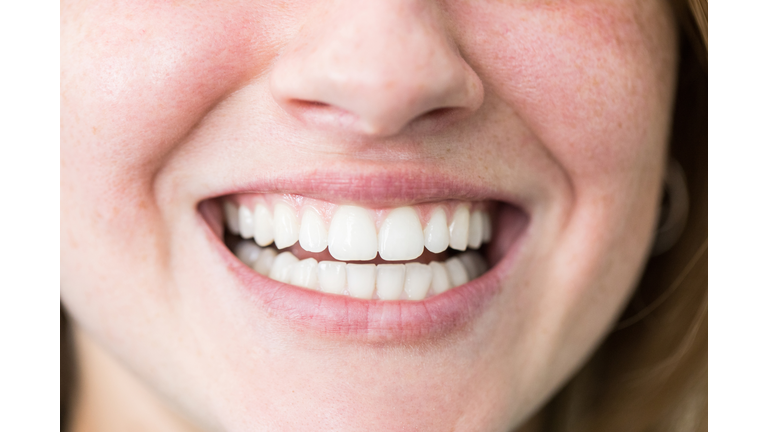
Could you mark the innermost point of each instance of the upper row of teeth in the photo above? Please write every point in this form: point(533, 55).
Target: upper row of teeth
point(352, 234)
point(411, 281)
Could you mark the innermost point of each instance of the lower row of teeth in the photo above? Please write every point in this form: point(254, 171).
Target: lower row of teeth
point(411, 281)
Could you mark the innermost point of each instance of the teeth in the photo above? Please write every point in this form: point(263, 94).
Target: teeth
point(389, 280)
point(230, 216)
point(361, 280)
point(459, 229)
point(313, 237)
point(264, 263)
point(352, 235)
point(245, 219)
point(305, 273)
point(417, 279)
point(475, 237)
point(400, 236)
point(247, 252)
point(456, 271)
point(436, 233)
point(282, 267)
point(286, 226)
point(441, 282)
point(486, 226)
point(332, 276)
point(263, 231)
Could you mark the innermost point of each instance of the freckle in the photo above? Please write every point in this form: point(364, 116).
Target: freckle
point(94, 130)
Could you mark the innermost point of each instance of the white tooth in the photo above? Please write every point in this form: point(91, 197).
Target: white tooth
point(486, 226)
point(470, 264)
point(361, 280)
point(286, 226)
point(417, 279)
point(305, 273)
point(263, 230)
point(440, 280)
point(245, 221)
point(436, 233)
point(313, 237)
point(230, 215)
point(332, 276)
point(247, 252)
point(475, 237)
point(400, 235)
point(459, 228)
point(352, 235)
point(282, 267)
point(389, 280)
point(456, 271)
point(264, 263)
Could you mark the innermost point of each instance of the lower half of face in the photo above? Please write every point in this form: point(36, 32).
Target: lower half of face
point(412, 215)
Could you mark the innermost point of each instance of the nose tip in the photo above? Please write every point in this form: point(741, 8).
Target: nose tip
point(375, 69)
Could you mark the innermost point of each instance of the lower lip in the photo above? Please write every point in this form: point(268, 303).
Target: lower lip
point(337, 316)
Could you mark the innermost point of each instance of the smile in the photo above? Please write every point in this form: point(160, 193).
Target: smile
point(422, 262)
point(406, 253)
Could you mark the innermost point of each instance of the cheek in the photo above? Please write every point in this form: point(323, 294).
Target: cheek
point(136, 77)
point(593, 82)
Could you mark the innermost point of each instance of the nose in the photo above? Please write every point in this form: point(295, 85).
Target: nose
point(374, 67)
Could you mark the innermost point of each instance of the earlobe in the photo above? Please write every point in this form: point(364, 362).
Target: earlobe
point(673, 212)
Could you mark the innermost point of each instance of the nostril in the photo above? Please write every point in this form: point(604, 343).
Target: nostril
point(437, 113)
point(320, 113)
point(305, 104)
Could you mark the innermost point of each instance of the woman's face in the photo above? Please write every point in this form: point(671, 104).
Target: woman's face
point(550, 117)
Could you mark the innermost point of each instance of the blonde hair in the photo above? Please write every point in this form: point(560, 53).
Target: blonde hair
point(650, 374)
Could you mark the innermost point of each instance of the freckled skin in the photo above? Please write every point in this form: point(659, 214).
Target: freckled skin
point(563, 104)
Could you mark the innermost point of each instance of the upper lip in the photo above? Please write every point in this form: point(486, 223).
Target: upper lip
point(380, 187)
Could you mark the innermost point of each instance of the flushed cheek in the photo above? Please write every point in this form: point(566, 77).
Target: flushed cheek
point(136, 78)
point(592, 82)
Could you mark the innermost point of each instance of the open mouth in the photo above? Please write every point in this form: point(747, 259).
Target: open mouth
point(405, 253)
point(352, 268)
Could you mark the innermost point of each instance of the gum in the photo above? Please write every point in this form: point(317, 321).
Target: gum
point(327, 209)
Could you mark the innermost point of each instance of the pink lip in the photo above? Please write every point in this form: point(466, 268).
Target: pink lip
point(371, 320)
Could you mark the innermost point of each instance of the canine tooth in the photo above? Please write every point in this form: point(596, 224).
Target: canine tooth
point(352, 235)
point(313, 237)
point(456, 271)
point(332, 276)
point(400, 235)
point(459, 228)
point(361, 280)
point(470, 264)
point(264, 262)
point(230, 216)
point(417, 279)
point(286, 226)
point(305, 273)
point(389, 280)
point(441, 282)
point(282, 267)
point(263, 230)
point(245, 222)
point(486, 226)
point(475, 237)
point(436, 233)
point(247, 252)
